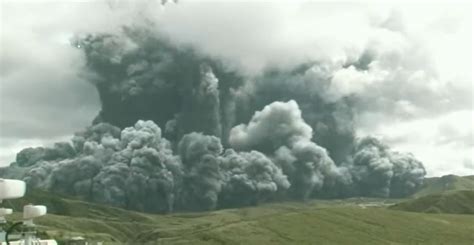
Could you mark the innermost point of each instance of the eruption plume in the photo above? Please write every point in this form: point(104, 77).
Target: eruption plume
point(179, 130)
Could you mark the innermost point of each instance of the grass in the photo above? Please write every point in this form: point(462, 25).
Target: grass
point(320, 224)
point(455, 202)
point(445, 183)
point(348, 221)
point(351, 221)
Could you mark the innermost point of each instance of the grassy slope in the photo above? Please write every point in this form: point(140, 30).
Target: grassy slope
point(455, 202)
point(446, 183)
point(326, 222)
point(316, 224)
point(352, 221)
point(70, 217)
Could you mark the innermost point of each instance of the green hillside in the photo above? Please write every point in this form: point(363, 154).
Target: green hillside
point(351, 221)
point(455, 202)
point(321, 225)
point(69, 217)
point(445, 183)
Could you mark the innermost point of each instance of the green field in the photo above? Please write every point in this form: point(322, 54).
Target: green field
point(313, 224)
point(453, 202)
point(352, 221)
point(348, 221)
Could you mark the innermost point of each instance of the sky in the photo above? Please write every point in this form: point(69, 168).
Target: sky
point(419, 92)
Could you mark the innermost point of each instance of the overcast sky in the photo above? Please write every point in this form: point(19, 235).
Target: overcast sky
point(420, 92)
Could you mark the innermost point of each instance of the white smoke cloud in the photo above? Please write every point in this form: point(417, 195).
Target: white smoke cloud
point(279, 123)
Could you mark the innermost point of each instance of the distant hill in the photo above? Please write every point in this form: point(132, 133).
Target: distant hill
point(350, 221)
point(437, 185)
point(453, 202)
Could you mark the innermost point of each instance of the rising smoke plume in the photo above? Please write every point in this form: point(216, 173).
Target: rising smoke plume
point(179, 130)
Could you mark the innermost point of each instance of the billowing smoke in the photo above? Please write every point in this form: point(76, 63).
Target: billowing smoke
point(141, 76)
point(112, 166)
point(280, 131)
point(203, 179)
point(382, 172)
point(250, 178)
point(179, 130)
point(278, 124)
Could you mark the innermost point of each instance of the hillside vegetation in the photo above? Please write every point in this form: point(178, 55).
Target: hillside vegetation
point(351, 221)
point(437, 185)
point(321, 225)
point(454, 202)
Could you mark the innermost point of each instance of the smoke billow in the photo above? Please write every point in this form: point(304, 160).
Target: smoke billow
point(280, 131)
point(203, 179)
point(141, 76)
point(250, 178)
point(382, 172)
point(179, 130)
point(278, 124)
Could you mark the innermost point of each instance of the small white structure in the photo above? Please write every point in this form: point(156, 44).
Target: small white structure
point(38, 242)
point(78, 240)
point(9, 189)
point(12, 189)
point(30, 212)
